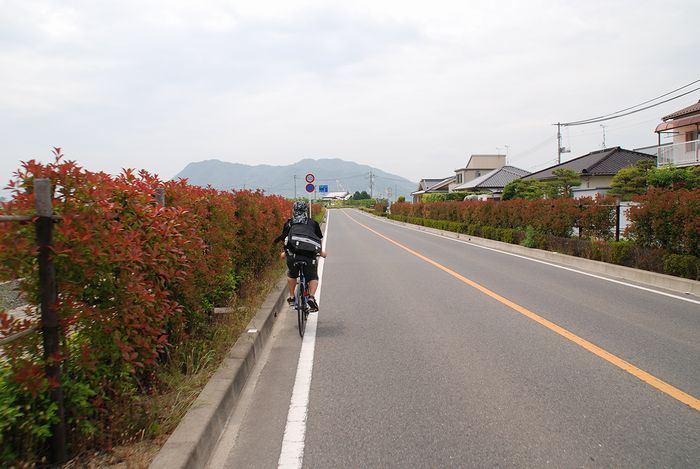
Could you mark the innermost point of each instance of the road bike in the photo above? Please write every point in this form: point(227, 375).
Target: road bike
point(301, 298)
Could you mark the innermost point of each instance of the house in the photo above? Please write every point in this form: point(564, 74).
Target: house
point(428, 186)
point(684, 125)
point(494, 181)
point(477, 166)
point(343, 195)
point(596, 169)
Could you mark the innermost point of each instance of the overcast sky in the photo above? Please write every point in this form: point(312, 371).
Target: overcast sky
point(410, 87)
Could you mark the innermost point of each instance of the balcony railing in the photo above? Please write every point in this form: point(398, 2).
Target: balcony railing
point(677, 154)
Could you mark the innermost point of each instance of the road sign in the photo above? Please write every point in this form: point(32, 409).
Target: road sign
point(323, 188)
point(310, 188)
point(310, 178)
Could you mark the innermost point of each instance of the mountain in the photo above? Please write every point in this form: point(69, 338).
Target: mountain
point(338, 174)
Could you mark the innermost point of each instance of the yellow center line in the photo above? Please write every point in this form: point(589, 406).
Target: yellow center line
point(652, 380)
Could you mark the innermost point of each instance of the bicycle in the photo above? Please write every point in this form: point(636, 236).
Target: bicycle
point(301, 297)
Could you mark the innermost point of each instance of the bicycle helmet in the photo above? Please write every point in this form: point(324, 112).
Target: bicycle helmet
point(300, 212)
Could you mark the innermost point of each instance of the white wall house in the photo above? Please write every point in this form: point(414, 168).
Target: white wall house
point(596, 169)
point(477, 166)
point(684, 126)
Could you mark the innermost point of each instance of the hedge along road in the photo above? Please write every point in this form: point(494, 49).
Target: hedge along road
point(433, 353)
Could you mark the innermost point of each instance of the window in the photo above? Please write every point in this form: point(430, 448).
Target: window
point(690, 137)
point(459, 178)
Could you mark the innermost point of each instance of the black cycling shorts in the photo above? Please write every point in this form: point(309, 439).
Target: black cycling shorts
point(310, 269)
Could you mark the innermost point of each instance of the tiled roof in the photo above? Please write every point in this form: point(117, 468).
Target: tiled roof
point(686, 111)
point(426, 184)
point(441, 184)
point(496, 179)
point(598, 163)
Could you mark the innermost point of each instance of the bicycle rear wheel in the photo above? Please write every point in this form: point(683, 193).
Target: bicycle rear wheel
point(300, 307)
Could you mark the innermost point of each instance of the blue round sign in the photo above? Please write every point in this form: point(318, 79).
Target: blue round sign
point(310, 188)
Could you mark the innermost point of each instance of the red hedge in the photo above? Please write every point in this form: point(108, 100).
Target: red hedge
point(133, 278)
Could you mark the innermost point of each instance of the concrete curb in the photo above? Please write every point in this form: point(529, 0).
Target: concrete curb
point(194, 439)
point(669, 282)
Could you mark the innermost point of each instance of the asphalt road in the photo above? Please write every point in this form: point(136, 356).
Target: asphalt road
point(453, 355)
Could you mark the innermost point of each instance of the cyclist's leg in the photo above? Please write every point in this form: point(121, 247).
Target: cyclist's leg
point(312, 278)
point(311, 274)
point(313, 286)
point(292, 274)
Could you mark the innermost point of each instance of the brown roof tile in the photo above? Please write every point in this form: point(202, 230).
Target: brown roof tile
point(686, 111)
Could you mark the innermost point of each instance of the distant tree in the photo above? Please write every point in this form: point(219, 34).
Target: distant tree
point(673, 177)
point(401, 199)
point(631, 180)
point(560, 187)
point(530, 189)
point(360, 195)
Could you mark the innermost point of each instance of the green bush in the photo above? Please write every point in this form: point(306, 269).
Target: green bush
point(625, 252)
point(445, 196)
point(682, 266)
point(620, 252)
point(356, 203)
point(25, 417)
point(534, 238)
point(506, 235)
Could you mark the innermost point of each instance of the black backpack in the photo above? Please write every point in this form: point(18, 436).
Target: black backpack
point(302, 240)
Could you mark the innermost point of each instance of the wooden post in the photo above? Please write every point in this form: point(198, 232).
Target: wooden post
point(49, 316)
point(160, 196)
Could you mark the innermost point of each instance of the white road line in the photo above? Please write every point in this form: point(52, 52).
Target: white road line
point(631, 285)
point(292, 453)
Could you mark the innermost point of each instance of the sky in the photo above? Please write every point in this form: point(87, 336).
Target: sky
point(409, 87)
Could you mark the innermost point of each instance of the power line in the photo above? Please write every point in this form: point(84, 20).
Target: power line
point(520, 155)
point(617, 114)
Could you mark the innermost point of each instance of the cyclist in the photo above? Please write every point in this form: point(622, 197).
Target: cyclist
point(300, 217)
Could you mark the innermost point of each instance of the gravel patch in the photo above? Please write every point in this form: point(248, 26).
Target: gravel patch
point(9, 295)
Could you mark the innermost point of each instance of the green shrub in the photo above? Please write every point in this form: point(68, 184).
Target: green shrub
point(533, 238)
point(445, 196)
point(620, 252)
point(26, 416)
point(506, 235)
point(682, 266)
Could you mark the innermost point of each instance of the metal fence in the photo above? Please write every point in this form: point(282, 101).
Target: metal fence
point(44, 220)
point(677, 154)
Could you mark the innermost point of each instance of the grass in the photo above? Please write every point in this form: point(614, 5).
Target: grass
point(190, 368)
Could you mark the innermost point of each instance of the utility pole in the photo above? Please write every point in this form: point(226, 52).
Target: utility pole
point(558, 142)
point(560, 149)
point(371, 184)
point(603, 126)
point(295, 187)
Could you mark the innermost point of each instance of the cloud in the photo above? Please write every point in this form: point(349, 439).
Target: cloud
point(407, 86)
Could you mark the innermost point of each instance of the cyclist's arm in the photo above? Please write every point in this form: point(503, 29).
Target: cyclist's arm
point(317, 229)
point(285, 232)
